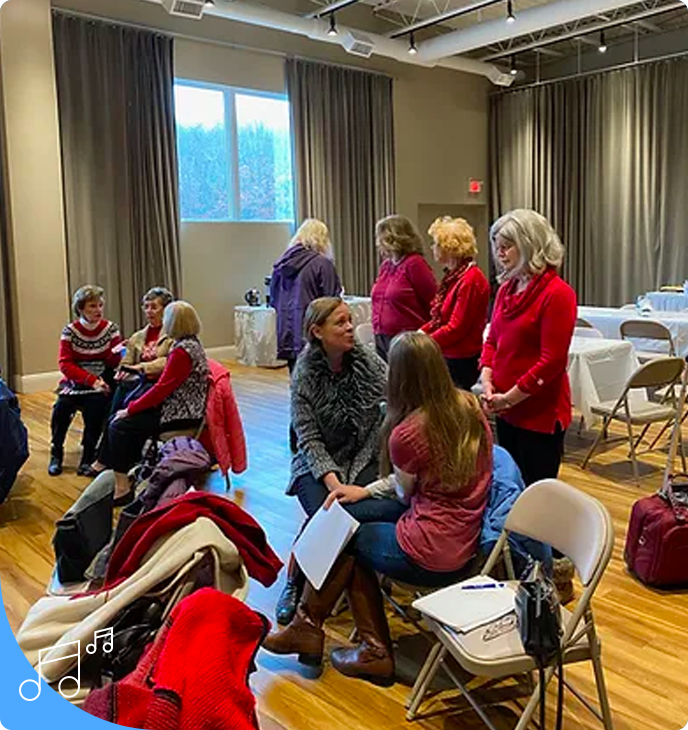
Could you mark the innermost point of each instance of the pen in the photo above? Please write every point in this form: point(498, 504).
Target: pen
point(481, 586)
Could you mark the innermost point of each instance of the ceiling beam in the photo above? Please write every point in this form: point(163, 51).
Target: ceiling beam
point(331, 8)
point(437, 19)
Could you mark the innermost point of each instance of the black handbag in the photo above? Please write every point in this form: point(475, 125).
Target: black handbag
point(539, 622)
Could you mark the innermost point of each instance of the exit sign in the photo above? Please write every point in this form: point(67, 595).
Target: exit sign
point(475, 186)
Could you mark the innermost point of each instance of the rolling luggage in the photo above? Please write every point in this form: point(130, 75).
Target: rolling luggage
point(657, 540)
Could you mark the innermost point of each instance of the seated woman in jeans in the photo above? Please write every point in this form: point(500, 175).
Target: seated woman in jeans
point(337, 389)
point(438, 447)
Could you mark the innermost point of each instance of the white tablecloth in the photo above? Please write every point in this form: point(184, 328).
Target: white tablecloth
point(598, 370)
point(255, 331)
point(668, 301)
point(608, 320)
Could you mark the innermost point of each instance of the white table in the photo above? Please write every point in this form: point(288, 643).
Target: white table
point(608, 320)
point(598, 371)
point(255, 331)
point(668, 301)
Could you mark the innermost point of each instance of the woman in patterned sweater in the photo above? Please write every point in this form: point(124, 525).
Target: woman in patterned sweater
point(337, 389)
point(176, 401)
point(87, 364)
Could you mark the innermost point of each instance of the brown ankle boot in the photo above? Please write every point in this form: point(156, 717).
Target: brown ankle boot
point(304, 635)
point(373, 658)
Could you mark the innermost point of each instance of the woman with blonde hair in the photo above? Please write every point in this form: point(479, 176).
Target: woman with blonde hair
point(405, 286)
point(176, 401)
point(437, 448)
point(303, 273)
point(459, 311)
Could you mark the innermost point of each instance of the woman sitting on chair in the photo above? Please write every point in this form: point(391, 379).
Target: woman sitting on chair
point(337, 389)
point(438, 446)
point(176, 401)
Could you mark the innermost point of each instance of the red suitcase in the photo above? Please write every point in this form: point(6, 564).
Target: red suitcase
point(657, 540)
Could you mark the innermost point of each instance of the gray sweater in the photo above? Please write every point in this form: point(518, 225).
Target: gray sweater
point(336, 416)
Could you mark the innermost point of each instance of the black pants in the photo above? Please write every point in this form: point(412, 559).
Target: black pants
point(537, 455)
point(382, 343)
point(93, 407)
point(464, 371)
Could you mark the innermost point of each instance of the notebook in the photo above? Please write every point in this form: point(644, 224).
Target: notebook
point(467, 605)
point(322, 540)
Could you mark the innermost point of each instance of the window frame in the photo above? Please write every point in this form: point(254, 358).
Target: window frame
point(232, 134)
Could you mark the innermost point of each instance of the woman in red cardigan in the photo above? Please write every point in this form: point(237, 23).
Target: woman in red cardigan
point(459, 310)
point(405, 286)
point(525, 355)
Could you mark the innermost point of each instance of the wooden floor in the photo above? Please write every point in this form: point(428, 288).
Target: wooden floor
point(644, 632)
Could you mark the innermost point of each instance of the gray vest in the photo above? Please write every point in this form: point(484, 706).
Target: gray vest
point(189, 400)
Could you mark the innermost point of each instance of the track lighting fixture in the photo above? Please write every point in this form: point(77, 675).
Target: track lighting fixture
point(412, 45)
point(510, 17)
point(513, 71)
point(602, 48)
point(333, 26)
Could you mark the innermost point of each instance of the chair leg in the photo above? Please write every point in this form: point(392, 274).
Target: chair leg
point(425, 676)
point(533, 702)
point(634, 458)
point(596, 443)
point(599, 680)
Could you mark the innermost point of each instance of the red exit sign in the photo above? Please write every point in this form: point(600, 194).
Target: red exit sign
point(475, 186)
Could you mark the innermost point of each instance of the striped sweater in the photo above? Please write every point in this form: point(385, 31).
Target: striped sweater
point(85, 354)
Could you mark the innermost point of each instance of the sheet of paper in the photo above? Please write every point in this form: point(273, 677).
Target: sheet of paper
point(467, 605)
point(322, 541)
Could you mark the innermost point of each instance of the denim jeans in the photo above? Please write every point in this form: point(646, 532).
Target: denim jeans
point(375, 545)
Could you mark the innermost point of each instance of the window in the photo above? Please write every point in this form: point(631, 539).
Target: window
point(234, 154)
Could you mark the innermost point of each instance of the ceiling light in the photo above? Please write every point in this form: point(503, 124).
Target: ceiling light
point(513, 71)
point(510, 17)
point(602, 48)
point(412, 45)
point(333, 26)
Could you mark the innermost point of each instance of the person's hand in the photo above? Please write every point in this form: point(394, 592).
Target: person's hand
point(101, 385)
point(122, 413)
point(488, 390)
point(499, 403)
point(346, 494)
point(120, 347)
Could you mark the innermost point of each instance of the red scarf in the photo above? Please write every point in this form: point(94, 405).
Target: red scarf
point(514, 303)
point(450, 278)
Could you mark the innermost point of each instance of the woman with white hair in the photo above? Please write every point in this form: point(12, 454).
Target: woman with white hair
point(525, 355)
point(303, 273)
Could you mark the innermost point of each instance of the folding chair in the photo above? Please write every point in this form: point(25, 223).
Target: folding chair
point(646, 329)
point(582, 322)
point(654, 374)
point(364, 334)
point(589, 333)
point(581, 528)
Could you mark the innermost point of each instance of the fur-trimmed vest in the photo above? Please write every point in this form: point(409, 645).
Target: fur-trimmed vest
point(188, 402)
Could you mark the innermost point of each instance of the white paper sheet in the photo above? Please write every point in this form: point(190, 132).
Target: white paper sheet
point(322, 541)
point(467, 605)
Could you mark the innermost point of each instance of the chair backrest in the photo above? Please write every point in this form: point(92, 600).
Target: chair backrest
point(581, 322)
point(628, 306)
point(646, 329)
point(364, 334)
point(569, 520)
point(657, 373)
point(587, 333)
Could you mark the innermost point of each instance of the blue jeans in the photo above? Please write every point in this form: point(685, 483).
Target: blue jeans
point(312, 493)
point(375, 545)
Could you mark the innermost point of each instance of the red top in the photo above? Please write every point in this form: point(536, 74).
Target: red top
point(402, 294)
point(150, 346)
point(462, 315)
point(86, 352)
point(440, 529)
point(528, 346)
point(177, 370)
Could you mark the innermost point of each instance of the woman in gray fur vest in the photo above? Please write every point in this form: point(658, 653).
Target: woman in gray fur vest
point(337, 390)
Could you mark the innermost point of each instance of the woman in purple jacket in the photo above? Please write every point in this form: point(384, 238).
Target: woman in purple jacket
point(303, 273)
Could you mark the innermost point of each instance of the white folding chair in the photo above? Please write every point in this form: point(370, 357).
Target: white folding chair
point(587, 333)
point(364, 334)
point(581, 528)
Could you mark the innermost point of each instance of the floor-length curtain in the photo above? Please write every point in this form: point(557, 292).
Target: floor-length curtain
point(604, 157)
point(342, 122)
point(119, 158)
point(6, 358)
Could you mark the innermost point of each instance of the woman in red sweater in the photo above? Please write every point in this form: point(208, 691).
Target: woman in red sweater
point(437, 449)
point(87, 362)
point(525, 355)
point(459, 311)
point(405, 285)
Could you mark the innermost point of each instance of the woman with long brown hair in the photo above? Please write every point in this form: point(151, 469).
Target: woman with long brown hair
point(437, 450)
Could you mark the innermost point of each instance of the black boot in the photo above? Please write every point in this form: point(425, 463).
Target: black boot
point(55, 466)
point(291, 593)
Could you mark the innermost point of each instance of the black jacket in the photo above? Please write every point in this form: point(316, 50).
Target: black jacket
point(14, 442)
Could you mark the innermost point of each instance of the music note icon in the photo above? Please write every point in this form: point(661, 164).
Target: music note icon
point(41, 662)
point(108, 636)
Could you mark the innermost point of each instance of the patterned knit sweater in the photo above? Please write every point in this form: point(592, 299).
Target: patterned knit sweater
point(85, 354)
point(336, 416)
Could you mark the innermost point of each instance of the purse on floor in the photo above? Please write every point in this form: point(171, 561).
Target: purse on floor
point(539, 622)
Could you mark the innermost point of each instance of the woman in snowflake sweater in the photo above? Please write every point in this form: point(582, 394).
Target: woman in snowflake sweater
point(87, 363)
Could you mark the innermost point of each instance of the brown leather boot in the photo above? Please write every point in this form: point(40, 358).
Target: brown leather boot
point(373, 658)
point(304, 635)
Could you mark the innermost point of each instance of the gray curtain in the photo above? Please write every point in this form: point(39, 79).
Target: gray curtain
point(6, 359)
point(342, 125)
point(119, 158)
point(604, 157)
